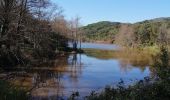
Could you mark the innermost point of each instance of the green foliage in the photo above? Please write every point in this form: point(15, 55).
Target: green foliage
point(162, 65)
point(100, 31)
point(145, 33)
point(143, 90)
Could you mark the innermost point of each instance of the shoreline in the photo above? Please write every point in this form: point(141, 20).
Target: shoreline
point(99, 42)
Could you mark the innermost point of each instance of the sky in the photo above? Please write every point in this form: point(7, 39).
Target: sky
point(131, 11)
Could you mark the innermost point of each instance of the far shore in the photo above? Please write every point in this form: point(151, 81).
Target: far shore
point(100, 42)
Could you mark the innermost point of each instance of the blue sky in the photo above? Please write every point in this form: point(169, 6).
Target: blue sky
point(131, 11)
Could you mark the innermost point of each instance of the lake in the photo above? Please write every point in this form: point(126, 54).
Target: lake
point(97, 46)
point(99, 66)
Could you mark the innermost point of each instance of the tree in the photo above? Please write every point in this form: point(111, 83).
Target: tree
point(125, 37)
point(26, 26)
point(164, 35)
point(146, 33)
point(60, 27)
point(75, 32)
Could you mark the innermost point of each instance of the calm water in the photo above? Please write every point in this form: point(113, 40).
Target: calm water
point(97, 46)
point(81, 72)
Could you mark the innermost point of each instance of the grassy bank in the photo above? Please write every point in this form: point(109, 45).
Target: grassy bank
point(135, 56)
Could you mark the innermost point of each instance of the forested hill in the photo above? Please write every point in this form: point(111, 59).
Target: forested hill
point(145, 32)
point(101, 31)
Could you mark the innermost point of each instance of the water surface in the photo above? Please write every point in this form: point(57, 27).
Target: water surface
point(82, 72)
point(100, 46)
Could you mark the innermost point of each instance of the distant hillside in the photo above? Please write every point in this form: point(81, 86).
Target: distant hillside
point(162, 19)
point(101, 31)
point(107, 31)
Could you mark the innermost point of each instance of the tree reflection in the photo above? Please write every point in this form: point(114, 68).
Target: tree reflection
point(48, 79)
point(76, 67)
point(128, 58)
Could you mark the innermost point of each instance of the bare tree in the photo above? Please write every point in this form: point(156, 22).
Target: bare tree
point(125, 37)
point(59, 25)
point(7, 15)
point(75, 32)
point(164, 35)
point(30, 25)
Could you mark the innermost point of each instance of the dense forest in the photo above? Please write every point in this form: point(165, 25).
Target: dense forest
point(101, 31)
point(145, 33)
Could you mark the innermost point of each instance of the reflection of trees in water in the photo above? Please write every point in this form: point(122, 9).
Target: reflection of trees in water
point(127, 65)
point(47, 80)
point(49, 76)
point(134, 58)
point(55, 78)
point(76, 67)
point(128, 58)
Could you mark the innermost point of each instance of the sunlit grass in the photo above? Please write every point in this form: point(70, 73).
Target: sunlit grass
point(101, 54)
point(134, 56)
